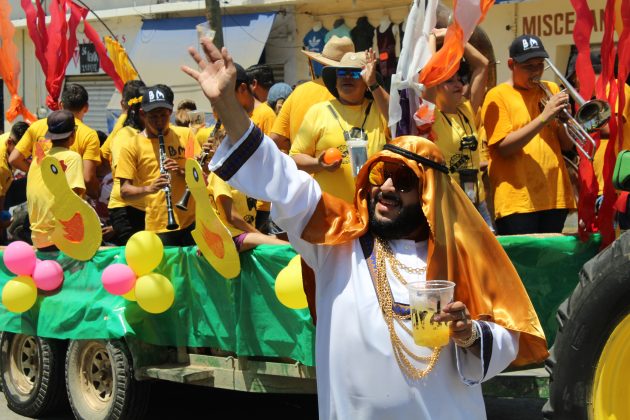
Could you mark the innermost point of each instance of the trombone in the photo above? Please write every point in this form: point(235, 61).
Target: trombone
point(590, 115)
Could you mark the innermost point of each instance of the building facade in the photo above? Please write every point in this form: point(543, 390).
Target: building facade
point(156, 34)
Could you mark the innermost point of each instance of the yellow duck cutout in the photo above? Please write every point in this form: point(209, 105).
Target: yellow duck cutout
point(210, 234)
point(77, 227)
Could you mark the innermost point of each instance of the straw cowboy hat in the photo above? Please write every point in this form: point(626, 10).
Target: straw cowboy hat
point(349, 61)
point(334, 49)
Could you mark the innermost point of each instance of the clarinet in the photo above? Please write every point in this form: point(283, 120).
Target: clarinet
point(172, 224)
point(182, 204)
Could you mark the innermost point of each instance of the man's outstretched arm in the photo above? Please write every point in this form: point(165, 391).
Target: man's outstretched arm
point(217, 78)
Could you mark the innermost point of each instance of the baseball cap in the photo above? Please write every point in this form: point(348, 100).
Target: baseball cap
point(527, 46)
point(60, 125)
point(157, 97)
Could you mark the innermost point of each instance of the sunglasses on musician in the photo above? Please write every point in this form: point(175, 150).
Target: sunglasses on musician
point(354, 74)
point(402, 176)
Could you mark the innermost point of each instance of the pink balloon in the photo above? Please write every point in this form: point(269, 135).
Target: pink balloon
point(20, 259)
point(118, 279)
point(48, 275)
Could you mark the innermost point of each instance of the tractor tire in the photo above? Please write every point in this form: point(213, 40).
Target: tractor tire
point(32, 374)
point(100, 381)
point(590, 357)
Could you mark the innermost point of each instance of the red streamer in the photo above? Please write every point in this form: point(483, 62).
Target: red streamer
point(607, 80)
point(588, 187)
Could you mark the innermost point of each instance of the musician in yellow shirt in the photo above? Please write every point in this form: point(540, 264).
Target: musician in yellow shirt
point(34, 143)
point(531, 187)
point(126, 215)
point(138, 168)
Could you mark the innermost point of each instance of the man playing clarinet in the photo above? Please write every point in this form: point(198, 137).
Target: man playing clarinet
point(145, 172)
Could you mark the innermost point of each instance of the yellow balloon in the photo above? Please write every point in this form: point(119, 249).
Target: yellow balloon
point(143, 252)
point(289, 288)
point(131, 295)
point(154, 293)
point(19, 294)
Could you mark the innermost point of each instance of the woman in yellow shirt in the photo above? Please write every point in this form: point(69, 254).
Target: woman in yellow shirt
point(455, 128)
point(360, 110)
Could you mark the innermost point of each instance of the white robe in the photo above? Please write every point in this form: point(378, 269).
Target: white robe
point(358, 376)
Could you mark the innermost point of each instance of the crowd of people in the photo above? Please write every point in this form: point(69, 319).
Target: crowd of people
point(494, 164)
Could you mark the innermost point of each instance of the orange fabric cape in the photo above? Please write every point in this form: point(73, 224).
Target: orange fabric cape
point(461, 247)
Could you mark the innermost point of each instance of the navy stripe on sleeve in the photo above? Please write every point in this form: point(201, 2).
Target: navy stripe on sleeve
point(238, 158)
point(487, 342)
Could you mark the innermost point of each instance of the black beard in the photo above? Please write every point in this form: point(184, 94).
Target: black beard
point(409, 219)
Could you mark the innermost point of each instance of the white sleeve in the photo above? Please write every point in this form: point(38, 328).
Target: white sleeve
point(499, 347)
point(255, 166)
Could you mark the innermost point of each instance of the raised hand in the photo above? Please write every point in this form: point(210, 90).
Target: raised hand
point(216, 75)
point(369, 74)
point(217, 78)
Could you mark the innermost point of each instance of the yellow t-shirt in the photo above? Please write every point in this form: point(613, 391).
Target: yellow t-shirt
point(264, 117)
point(139, 162)
point(598, 161)
point(39, 199)
point(6, 172)
point(449, 130)
point(535, 178)
point(106, 148)
point(203, 134)
point(122, 137)
point(244, 205)
point(321, 130)
point(294, 109)
point(34, 142)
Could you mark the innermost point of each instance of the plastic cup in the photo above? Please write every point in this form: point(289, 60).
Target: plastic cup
point(357, 150)
point(204, 31)
point(426, 299)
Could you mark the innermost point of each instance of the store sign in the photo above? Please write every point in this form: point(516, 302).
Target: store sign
point(560, 23)
point(88, 58)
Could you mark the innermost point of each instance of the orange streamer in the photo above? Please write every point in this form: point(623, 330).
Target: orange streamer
point(10, 66)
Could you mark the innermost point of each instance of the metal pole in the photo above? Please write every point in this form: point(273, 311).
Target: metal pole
point(213, 14)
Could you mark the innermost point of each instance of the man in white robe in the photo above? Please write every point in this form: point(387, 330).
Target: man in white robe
point(360, 374)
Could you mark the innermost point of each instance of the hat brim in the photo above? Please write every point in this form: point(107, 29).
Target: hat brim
point(320, 58)
point(329, 75)
point(156, 105)
point(58, 136)
point(534, 54)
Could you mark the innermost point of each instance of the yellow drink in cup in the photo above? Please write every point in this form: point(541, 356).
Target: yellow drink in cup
point(426, 300)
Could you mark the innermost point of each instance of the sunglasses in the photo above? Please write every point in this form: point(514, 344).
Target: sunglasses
point(355, 74)
point(403, 178)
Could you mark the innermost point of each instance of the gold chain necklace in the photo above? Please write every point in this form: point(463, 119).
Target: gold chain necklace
point(386, 301)
point(394, 264)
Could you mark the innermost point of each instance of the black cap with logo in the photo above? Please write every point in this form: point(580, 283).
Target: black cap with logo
point(527, 46)
point(158, 96)
point(60, 125)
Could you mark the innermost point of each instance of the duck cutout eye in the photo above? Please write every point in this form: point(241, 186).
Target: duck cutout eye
point(53, 169)
point(195, 174)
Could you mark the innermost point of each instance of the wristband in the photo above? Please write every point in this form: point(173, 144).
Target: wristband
point(542, 120)
point(373, 87)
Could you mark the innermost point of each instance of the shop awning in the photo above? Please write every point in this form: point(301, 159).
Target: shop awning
point(161, 48)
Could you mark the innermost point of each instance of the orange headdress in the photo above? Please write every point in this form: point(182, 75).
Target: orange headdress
point(461, 247)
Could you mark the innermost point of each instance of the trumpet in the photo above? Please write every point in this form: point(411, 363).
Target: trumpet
point(182, 204)
point(590, 115)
